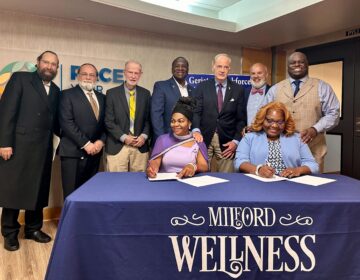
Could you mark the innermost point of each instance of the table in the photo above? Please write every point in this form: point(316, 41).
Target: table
point(121, 226)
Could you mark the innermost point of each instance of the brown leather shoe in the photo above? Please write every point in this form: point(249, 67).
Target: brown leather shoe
point(38, 236)
point(11, 243)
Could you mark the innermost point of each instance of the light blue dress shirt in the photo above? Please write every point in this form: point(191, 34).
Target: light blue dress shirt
point(254, 103)
point(330, 106)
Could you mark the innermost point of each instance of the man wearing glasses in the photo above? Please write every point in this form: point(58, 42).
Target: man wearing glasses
point(28, 118)
point(127, 120)
point(81, 118)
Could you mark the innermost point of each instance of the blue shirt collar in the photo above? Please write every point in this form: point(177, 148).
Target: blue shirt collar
point(303, 80)
point(224, 84)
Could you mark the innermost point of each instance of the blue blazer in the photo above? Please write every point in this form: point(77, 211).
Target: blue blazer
point(254, 148)
point(164, 97)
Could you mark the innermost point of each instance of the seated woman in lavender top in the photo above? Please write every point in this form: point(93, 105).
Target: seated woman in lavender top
point(178, 151)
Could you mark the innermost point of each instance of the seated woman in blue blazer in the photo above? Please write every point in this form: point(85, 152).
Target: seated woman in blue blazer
point(273, 147)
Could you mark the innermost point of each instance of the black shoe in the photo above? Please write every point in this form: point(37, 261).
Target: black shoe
point(38, 236)
point(11, 243)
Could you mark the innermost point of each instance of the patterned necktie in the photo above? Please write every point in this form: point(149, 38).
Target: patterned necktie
point(297, 86)
point(93, 104)
point(220, 97)
point(132, 108)
point(257, 90)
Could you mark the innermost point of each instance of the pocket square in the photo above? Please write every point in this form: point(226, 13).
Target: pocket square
point(232, 100)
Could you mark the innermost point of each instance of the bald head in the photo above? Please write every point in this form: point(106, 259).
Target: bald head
point(258, 75)
point(298, 66)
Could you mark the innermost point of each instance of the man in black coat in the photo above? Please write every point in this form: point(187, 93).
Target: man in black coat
point(28, 117)
point(81, 118)
point(220, 114)
point(127, 121)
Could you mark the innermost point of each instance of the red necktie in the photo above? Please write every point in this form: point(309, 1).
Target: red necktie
point(220, 97)
point(257, 90)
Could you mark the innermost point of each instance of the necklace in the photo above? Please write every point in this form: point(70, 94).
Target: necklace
point(183, 137)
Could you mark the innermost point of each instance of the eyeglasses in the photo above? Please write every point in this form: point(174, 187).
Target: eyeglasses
point(271, 122)
point(91, 75)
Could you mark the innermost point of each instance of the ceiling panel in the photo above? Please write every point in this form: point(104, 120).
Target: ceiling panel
point(323, 18)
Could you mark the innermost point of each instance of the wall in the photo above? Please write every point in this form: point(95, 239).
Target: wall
point(72, 38)
point(274, 61)
point(29, 35)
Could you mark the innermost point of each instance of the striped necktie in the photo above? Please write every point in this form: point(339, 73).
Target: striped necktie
point(93, 104)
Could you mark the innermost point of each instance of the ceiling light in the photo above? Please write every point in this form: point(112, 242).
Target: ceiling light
point(181, 5)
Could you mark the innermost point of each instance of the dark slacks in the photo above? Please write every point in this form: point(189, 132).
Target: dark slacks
point(10, 225)
point(76, 171)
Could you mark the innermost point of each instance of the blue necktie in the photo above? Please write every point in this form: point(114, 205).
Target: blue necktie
point(297, 86)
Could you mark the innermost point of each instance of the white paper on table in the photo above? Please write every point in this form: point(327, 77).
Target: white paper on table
point(164, 177)
point(56, 142)
point(202, 181)
point(311, 180)
point(267, 180)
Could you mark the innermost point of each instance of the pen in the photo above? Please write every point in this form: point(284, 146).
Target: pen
point(268, 164)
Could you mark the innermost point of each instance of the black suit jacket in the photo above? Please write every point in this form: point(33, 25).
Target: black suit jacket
point(28, 119)
point(117, 119)
point(229, 122)
point(78, 123)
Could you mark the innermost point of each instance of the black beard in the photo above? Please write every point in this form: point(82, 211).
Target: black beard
point(46, 77)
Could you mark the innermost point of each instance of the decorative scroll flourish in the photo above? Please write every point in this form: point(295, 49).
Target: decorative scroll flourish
point(179, 221)
point(302, 221)
point(236, 267)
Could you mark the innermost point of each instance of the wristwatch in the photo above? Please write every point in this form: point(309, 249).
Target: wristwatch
point(257, 169)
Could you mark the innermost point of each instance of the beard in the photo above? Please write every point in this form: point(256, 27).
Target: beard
point(86, 85)
point(258, 84)
point(46, 75)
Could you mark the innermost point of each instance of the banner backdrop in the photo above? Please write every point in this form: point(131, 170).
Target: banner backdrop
point(111, 72)
point(195, 79)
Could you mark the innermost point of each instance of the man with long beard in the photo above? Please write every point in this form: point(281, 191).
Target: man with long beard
point(81, 117)
point(28, 118)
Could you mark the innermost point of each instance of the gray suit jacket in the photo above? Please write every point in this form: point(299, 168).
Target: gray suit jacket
point(117, 118)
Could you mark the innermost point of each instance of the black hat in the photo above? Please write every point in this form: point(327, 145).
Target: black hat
point(185, 106)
